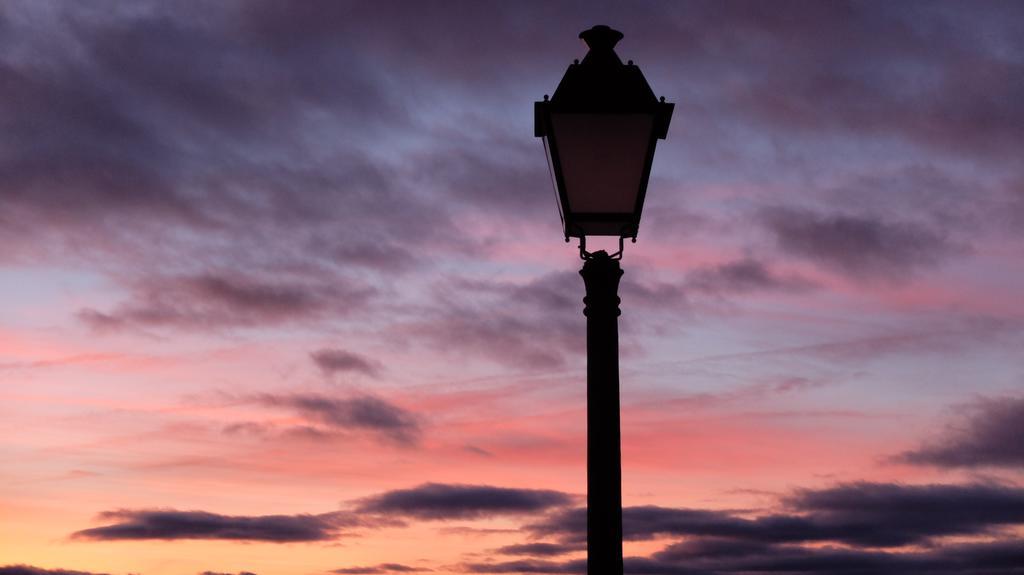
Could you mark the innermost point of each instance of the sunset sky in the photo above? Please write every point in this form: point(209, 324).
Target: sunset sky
point(284, 290)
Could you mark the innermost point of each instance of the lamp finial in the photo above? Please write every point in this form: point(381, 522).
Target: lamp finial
point(601, 37)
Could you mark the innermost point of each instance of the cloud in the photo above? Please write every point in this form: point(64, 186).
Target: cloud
point(220, 573)
point(475, 450)
point(990, 433)
point(474, 176)
point(661, 296)
point(246, 428)
point(640, 523)
point(331, 361)
point(1013, 203)
point(30, 570)
point(224, 300)
point(365, 413)
point(861, 247)
point(380, 569)
point(743, 276)
point(464, 531)
point(169, 524)
point(716, 557)
point(538, 549)
point(536, 324)
point(883, 514)
point(861, 527)
point(943, 336)
point(928, 84)
point(721, 557)
point(153, 140)
point(859, 514)
point(525, 566)
point(431, 501)
point(258, 121)
point(533, 325)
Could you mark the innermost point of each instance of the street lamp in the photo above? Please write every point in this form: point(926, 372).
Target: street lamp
point(600, 129)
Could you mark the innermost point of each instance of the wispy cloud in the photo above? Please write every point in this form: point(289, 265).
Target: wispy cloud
point(539, 549)
point(859, 246)
point(525, 566)
point(223, 300)
point(331, 361)
point(363, 413)
point(529, 325)
point(380, 569)
point(743, 276)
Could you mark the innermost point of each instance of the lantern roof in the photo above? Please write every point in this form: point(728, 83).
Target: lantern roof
point(601, 83)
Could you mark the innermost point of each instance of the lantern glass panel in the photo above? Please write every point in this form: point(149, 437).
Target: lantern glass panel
point(602, 158)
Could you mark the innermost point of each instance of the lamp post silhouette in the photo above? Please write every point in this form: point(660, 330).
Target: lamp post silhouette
point(600, 129)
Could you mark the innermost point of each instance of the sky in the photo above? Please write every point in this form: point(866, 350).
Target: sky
point(284, 290)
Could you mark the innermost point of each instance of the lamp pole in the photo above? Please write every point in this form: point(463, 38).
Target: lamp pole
point(601, 275)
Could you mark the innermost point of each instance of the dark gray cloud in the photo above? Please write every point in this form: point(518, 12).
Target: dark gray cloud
point(659, 296)
point(171, 524)
point(165, 101)
point(832, 530)
point(861, 247)
point(224, 300)
point(145, 124)
point(30, 570)
point(247, 428)
point(221, 573)
point(859, 514)
point(884, 514)
point(158, 139)
point(533, 325)
point(475, 450)
point(715, 557)
point(525, 566)
point(647, 522)
point(539, 549)
point(453, 501)
point(380, 569)
point(989, 432)
point(429, 501)
point(723, 557)
point(1013, 203)
point(477, 178)
point(742, 276)
point(927, 75)
point(941, 336)
point(331, 361)
point(365, 413)
point(269, 138)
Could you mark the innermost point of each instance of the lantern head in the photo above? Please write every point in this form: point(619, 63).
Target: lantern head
point(600, 129)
